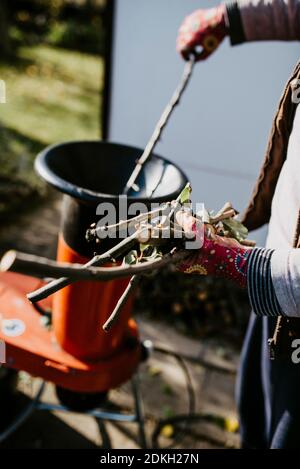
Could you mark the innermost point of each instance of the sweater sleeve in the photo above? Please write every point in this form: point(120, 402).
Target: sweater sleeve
point(261, 290)
point(274, 282)
point(285, 271)
point(261, 20)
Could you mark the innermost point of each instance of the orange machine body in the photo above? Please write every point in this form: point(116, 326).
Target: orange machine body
point(35, 349)
point(80, 310)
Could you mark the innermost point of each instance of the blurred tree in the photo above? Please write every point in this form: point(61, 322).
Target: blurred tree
point(72, 24)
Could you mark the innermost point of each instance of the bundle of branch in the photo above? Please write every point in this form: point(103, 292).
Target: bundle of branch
point(160, 236)
point(158, 240)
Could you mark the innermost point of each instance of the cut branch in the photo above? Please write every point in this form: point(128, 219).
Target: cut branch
point(40, 266)
point(188, 70)
point(134, 281)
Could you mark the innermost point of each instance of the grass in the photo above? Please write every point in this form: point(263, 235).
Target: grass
point(52, 95)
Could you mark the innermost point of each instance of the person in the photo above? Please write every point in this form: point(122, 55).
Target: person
point(268, 384)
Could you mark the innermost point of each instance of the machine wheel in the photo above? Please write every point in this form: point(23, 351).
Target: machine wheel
point(80, 402)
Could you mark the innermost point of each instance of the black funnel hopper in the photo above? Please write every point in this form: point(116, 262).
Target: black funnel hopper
point(91, 172)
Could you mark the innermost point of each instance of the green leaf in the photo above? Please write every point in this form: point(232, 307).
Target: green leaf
point(185, 196)
point(144, 247)
point(149, 253)
point(236, 229)
point(131, 258)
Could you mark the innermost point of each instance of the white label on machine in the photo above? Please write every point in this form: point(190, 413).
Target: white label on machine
point(13, 327)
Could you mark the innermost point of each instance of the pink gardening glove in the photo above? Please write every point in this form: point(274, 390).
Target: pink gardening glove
point(204, 28)
point(219, 256)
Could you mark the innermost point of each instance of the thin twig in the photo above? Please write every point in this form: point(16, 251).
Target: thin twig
point(248, 242)
point(131, 183)
point(225, 208)
point(157, 236)
point(142, 217)
point(222, 216)
point(134, 281)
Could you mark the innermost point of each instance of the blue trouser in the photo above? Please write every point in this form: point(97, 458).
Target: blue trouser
point(267, 392)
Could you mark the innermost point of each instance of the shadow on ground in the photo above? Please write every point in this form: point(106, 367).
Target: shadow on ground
point(45, 430)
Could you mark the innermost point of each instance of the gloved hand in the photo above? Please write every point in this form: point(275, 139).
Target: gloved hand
point(205, 28)
point(218, 256)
